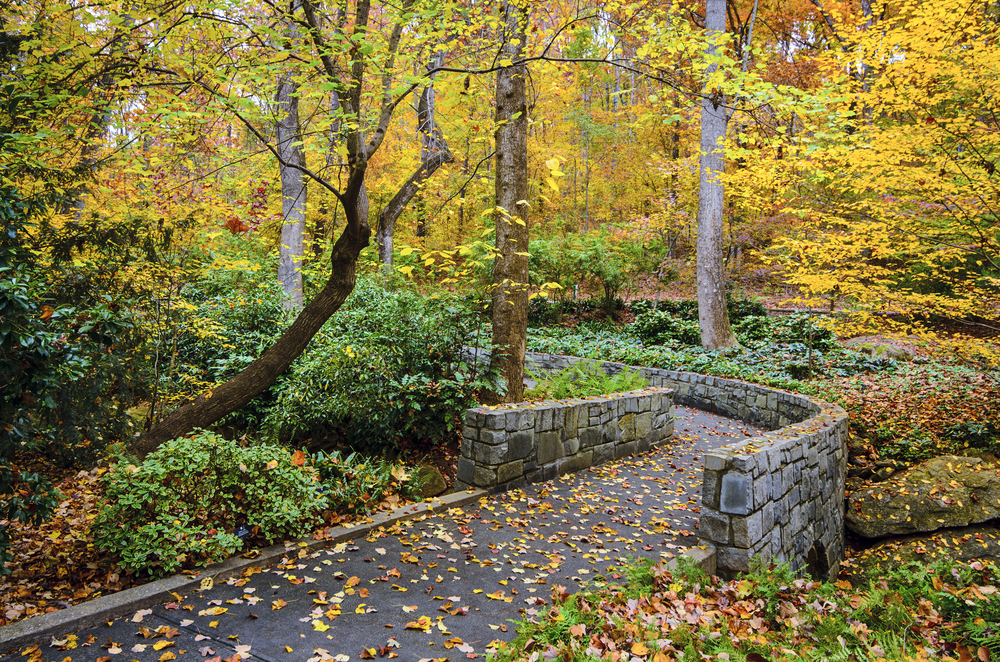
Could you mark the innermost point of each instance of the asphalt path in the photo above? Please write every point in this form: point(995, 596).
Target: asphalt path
point(447, 585)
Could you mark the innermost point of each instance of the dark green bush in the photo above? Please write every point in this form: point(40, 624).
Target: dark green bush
point(184, 502)
point(795, 328)
point(388, 366)
point(661, 328)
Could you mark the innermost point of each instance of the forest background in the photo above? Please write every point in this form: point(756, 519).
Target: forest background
point(181, 181)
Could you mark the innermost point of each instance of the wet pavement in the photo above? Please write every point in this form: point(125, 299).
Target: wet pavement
point(446, 585)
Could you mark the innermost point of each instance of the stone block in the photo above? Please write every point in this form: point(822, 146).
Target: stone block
point(533, 476)
point(549, 446)
point(710, 485)
point(631, 405)
point(492, 437)
point(733, 560)
point(610, 431)
point(715, 462)
point(571, 421)
point(714, 527)
point(543, 419)
point(469, 432)
point(626, 427)
point(520, 420)
point(467, 448)
point(748, 531)
point(496, 421)
point(483, 477)
point(624, 450)
point(465, 468)
point(491, 455)
point(520, 445)
point(571, 446)
point(604, 453)
point(578, 462)
point(735, 497)
point(591, 436)
point(643, 425)
point(510, 471)
point(761, 490)
point(642, 444)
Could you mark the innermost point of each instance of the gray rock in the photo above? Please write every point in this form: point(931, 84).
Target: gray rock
point(428, 482)
point(946, 491)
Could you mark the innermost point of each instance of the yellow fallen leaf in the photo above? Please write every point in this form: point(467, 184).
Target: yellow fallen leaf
point(639, 649)
point(423, 623)
point(288, 649)
point(166, 657)
point(160, 645)
point(320, 626)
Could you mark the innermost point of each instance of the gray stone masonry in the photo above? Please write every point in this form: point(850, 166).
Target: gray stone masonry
point(511, 445)
point(779, 496)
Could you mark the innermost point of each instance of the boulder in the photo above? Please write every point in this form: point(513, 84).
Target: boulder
point(944, 492)
point(427, 482)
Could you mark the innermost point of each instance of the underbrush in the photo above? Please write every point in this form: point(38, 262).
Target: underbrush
point(921, 411)
point(201, 499)
point(914, 612)
point(899, 411)
point(780, 365)
point(388, 368)
point(582, 380)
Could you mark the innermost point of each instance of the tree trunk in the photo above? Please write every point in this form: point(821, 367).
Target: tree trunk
point(291, 158)
point(510, 271)
point(434, 153)
point(713, 317)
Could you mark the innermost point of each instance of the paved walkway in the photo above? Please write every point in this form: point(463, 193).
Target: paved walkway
point(443, 586)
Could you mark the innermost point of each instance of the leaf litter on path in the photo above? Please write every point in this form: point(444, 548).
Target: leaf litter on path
point(465, 572)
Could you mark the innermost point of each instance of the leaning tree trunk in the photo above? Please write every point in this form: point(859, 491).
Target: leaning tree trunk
point(293, 191)
point(713, 317)
point(510, 270)
point(255, 378)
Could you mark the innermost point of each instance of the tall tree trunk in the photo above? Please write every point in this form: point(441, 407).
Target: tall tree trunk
point(434, 153)
point(510, 270)
point(293, 190)
point(713, 317)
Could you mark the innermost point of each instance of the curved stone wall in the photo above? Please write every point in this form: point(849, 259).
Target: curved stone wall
point(779, 495)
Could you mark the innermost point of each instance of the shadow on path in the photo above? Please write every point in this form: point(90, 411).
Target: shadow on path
point(441, 586)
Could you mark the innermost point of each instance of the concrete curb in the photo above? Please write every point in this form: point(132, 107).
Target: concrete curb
point(40, 629)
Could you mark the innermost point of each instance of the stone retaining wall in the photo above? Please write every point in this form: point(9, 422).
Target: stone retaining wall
point(779, 495)
point(509, 446)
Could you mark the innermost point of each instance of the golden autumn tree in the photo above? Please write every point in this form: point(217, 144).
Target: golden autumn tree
point(903, 221)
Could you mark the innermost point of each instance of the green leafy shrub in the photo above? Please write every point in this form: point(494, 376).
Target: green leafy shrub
point(389, 366)
point(662, 328)
point(583, 379)
point(795, 328)
point(184, 502)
